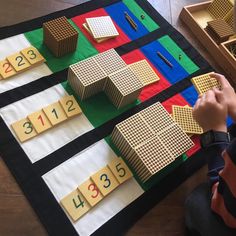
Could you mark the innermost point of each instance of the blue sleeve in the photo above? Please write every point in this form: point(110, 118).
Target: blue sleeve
point(215, 160)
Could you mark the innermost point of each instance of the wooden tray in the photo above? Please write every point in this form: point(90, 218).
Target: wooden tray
point(196, 17)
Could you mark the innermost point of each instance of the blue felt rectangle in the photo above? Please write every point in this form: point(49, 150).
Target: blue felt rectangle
point(172, 74)
point(116, 12)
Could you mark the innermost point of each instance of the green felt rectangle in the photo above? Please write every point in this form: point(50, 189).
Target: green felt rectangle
point(98, 108)
point(138, 11)
point(84, 50)
point(178, 54)
point(158, 176)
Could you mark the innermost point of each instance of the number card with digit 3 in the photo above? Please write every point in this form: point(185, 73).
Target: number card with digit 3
point(18, 61)
point(75, 205)
point(91, 192)
point(105, 181)
point(6, 69)
point(33, 55)
point(120, 170)
point(70, 106)
point(24, 130)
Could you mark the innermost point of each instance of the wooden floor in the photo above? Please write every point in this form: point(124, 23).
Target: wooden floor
point(167, 217)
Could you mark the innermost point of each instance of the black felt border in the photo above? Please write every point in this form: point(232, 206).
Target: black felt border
point(29, 176)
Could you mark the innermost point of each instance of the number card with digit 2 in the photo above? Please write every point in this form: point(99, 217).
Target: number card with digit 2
point(6, 69)
point(70, 106)
point(18, 61)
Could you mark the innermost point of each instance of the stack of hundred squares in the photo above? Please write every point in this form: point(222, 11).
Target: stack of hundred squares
point(86, 101)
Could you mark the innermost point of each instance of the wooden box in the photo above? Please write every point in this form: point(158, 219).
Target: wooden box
point(196, 17)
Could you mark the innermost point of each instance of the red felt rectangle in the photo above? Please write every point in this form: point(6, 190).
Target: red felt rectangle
point(103, 46)
point(152, 89)
point(179, 100)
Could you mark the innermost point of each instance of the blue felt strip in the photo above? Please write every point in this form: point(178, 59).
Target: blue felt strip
point(172, 74)
point(190, 95)
point(116, 12)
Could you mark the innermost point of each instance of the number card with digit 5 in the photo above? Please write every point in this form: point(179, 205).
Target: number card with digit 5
point(120, 170)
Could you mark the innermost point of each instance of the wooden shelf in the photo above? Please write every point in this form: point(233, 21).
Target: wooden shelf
point(196, 17)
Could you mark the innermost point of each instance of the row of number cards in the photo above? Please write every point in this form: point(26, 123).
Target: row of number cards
point(19, 62)
point(46, 118)
point(94, 189)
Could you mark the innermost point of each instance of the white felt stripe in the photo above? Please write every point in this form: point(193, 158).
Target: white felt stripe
point(66, 177)
point(45, 143)
point(13, 45)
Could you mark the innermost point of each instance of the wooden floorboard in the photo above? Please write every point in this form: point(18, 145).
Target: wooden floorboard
point(167, 217)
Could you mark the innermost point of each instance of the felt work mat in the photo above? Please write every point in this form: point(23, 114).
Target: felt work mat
point(50, 166)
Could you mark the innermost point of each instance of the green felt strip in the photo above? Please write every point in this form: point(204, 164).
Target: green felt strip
point(138, 11)
point(84, 50)
point(178, 54)
point(158, 176)
point(98, 108)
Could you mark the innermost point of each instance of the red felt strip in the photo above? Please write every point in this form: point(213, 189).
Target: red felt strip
point(110, 43)
point(179, 100)
point(152, 89)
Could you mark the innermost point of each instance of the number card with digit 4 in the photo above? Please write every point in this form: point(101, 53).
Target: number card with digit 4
point(75, 205)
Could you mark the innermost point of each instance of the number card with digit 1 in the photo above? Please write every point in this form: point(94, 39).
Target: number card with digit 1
point(91, 192)
point(6, 69)
point(105, 181)
point(75, 205)
point(18, 61)
point(55, 113)
point(120, 170)
point(70, 106)
point(33, 55)
point(40, 121)
point(24, 130)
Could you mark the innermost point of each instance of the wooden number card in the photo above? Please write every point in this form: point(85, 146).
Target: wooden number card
point(24, 130)
point(40, 121)
point(18, 61)
point(75, 205)
point(105, 181)
point(6, 69)
point(55, 113)
point(33, 55)
point(120, 170)
point(70, 106)
point(91, 192)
